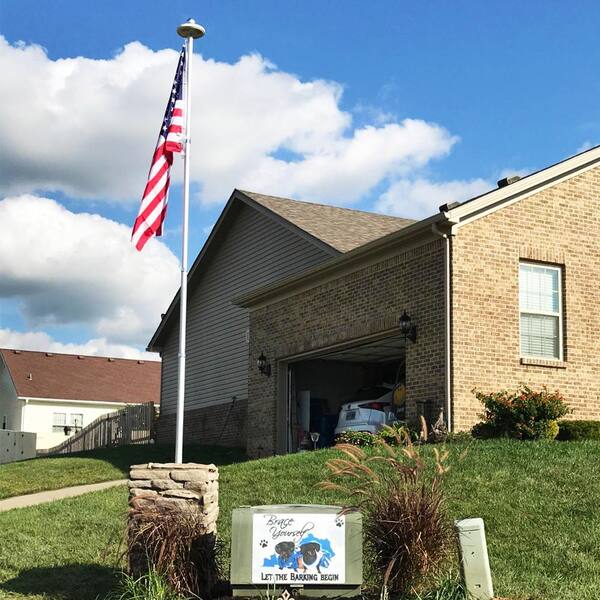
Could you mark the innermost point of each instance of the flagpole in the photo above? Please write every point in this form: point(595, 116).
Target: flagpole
point(190, 31)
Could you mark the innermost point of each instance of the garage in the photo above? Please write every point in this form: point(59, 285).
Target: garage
point(367, 377)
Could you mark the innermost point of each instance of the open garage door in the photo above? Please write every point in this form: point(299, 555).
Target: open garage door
point(363, 382)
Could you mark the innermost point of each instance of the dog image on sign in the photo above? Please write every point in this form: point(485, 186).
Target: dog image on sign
point(298, 548)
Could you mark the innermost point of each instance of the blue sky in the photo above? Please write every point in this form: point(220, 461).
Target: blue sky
point(489, 88)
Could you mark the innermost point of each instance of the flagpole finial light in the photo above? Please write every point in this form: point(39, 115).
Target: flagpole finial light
point(191, 29)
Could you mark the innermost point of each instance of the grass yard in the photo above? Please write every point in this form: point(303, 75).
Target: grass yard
point(41, 474)
point(539, 501)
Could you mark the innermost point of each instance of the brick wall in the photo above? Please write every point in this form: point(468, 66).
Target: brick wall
point(220, 424)
point(364, 302)
point(559, 225)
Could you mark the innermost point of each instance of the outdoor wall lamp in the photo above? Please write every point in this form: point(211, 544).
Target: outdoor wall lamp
point(407, 328)
point(264, 368)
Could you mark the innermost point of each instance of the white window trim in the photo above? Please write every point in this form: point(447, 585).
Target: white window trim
point(558, 314)
point(58, 425)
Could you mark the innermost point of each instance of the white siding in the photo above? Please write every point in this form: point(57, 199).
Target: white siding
point(10, 406)
point(255, 251)
point(38, 417)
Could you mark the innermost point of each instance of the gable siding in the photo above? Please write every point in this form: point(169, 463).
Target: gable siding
point(254, 252)
point(10, 406)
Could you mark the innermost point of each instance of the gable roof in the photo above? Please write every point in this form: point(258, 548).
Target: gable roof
point(479, 206)
point(90, 378)
point(341, 228)
point(448, 221)
point(332, 229)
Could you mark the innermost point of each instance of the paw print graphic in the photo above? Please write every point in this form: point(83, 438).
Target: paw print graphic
point(264, 543)
point(338, 522)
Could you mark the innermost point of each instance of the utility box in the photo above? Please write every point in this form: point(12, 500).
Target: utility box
point(305, 550)
point(16, 445)
point(475, 562)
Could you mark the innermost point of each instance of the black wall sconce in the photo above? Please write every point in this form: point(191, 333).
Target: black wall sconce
point(264, 368)
point(407, 328)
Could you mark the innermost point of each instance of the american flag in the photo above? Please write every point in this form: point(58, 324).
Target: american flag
point(153, 208)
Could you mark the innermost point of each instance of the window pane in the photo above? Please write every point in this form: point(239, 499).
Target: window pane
point(538, 288)
point(59, 419)
point(539, 336)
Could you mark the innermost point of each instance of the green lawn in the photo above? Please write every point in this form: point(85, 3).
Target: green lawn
point(540, 502)
point(40, 474)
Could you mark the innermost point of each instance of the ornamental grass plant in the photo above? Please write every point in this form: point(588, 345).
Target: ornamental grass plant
point(406, 528)
point(172, 542)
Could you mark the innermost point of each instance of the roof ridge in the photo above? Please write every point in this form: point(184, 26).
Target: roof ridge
point(52, 352)
point(344, 208)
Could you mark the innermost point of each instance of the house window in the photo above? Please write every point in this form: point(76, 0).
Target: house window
point(76, 421)
point(4, 422)
point(540, 300)
point(59, 420)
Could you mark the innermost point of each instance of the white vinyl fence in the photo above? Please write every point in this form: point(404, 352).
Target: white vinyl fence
point(133, 424)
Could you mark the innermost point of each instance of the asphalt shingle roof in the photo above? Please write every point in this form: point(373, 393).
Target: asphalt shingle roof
point(341, 228)
point(72, 377)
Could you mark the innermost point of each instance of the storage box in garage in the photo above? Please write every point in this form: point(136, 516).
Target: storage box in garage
point(308, 550)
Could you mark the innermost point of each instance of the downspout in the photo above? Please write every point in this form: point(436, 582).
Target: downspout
point(25, 403)
point(447, 325)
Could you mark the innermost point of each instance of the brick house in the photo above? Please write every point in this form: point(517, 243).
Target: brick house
point(500, 289)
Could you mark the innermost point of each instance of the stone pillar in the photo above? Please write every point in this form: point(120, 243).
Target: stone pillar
point(169, 487)
point(189, 486)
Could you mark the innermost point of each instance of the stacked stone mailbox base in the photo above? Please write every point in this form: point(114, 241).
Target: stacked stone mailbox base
point(187, 487)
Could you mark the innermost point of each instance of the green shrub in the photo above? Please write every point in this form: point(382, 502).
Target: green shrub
point(524, 414)
point(579, 430)
point(484, 431)
point(459, 437)
point(394, 433)
point(356, 438)
point(546, 430)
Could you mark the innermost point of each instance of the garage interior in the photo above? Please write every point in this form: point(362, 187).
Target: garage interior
point(318, 386)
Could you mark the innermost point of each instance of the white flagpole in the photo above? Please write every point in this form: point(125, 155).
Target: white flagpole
point(190, 31)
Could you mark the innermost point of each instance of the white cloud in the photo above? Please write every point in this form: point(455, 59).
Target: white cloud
point(80, 268)
point(584, 146)
point(420, 198)
point(39, 340)
point(354, 166)
point(508, 172)
point(87, 128)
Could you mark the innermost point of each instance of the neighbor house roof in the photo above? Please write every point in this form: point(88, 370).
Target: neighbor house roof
point(333, 229)
point(76, 377)
point(341, 228)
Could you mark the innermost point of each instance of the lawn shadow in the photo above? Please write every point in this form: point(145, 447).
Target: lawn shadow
point(69, 582)
point(124, 456)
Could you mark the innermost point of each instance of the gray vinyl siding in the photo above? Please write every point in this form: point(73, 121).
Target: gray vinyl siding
point(253, 250)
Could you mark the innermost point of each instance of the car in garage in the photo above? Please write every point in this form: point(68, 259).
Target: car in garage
point(370, 409)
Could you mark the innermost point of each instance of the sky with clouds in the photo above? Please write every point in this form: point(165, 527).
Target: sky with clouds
point(379, 106)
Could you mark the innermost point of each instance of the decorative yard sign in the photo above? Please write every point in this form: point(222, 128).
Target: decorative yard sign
point(309, 550)
point(298, 548)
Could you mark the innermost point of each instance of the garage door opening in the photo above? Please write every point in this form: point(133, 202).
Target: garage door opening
point(364, 383)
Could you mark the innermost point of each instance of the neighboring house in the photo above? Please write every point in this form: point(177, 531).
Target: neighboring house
point(44, 392)
point(502, 289)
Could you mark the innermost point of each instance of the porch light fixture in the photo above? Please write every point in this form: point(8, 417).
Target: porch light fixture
point(407, 328)
point(264, 368)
